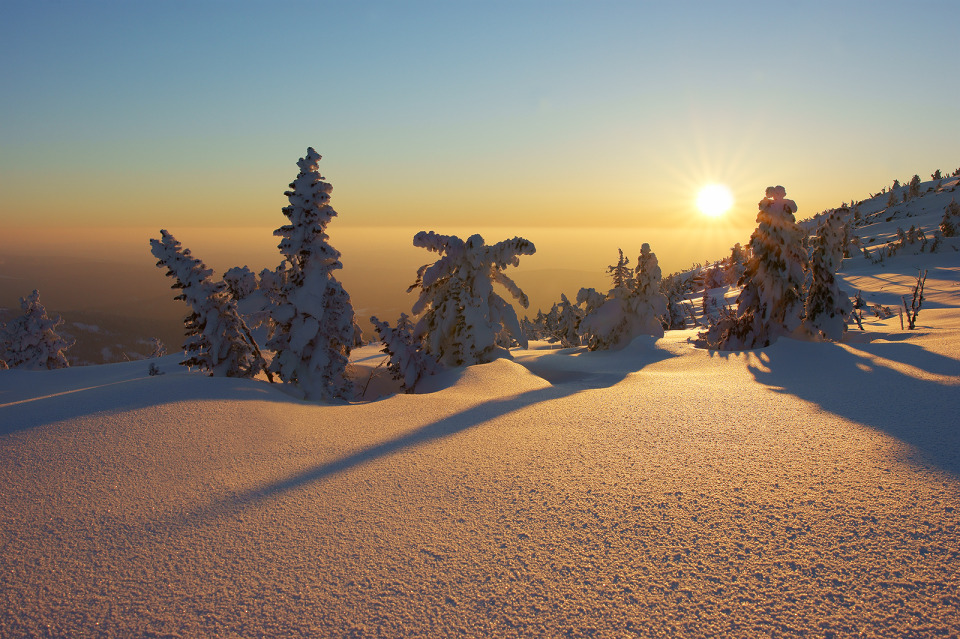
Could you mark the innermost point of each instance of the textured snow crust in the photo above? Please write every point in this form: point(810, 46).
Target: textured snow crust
point(805, 489)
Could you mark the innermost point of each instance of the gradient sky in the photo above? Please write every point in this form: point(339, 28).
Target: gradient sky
point(122, 116)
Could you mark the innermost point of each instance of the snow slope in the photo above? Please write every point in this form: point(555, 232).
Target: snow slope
point(802, 489)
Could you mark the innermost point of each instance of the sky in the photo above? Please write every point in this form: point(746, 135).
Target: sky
point(590, 120)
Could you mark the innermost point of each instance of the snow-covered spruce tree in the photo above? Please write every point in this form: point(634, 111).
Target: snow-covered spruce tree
point(947, 226)
point(631, 310)
point(588, 301)
point(157, 348)
point(738, 260)
point(408, 362)
point(771, 301)
point(953, 209)
point(217, 339)
point(568, 320)
point(313, 319)
point(651, 304)
point(535, 328)
point(461, 316)
point(620, 272)
point(674, 290)
point(826, 305)
point(31, 341)
point(914, 190)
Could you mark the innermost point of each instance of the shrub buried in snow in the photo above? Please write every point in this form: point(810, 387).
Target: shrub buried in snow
point(628, 311)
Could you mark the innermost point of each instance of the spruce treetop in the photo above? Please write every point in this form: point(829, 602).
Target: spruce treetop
point(309, 212)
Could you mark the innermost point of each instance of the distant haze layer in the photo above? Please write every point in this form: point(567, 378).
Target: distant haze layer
point(112, 269)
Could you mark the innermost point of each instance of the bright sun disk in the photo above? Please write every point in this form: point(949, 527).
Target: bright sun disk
point(714, 200)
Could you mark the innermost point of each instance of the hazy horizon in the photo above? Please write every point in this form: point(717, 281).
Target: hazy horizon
point(379, 264)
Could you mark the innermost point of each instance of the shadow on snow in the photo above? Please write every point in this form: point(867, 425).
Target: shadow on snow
point(858, 382)
point(599, 370)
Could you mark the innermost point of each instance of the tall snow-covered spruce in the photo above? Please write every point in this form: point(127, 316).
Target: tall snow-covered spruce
point(313, 328)
point(218, 341)
point(31, 341)
point(463, 321)
point(771, 301)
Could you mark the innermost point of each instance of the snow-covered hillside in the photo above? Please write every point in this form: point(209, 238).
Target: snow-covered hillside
point(803, 489)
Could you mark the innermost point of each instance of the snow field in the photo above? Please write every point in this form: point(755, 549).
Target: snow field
point(658, 490)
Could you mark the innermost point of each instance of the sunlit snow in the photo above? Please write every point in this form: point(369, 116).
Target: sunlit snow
point(659, 490)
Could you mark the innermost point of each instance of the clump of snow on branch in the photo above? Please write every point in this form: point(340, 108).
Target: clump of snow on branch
point(241, 281)
point(463, 321)
point(630, 310)
point(217, 339)
point(313, 318)
point(30, 341)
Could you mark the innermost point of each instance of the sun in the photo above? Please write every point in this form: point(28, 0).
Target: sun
point(714, 200)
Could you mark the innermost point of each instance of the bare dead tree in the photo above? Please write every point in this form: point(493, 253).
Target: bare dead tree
point(916, 302)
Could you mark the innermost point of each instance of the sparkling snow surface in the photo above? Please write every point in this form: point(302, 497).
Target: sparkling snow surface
point(802, 489)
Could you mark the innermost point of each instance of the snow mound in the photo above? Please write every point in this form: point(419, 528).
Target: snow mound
point(486, 380)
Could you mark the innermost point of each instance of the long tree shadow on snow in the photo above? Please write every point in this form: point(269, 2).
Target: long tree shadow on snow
point(856, 383)
point(599, 370)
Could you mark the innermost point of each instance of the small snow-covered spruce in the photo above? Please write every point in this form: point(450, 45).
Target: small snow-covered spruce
point(313, 319)
point(629, 311)
point(826, 306)
point(620, 272)
point(217, 339)
point(947, 226)
point(157, 348)
point(588, 300)
point(535, 328)
point(30, 341)
point(674, 290)
point(568, 323)
point(771, 301)
point(737, 264)
point(936, 175)
point(462, 318)
point(408, 362)
point(914, 190)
